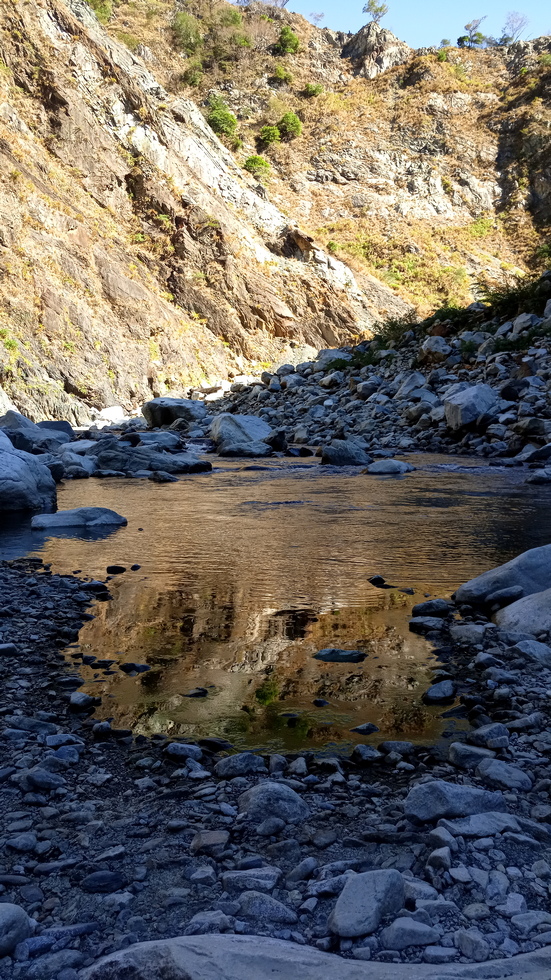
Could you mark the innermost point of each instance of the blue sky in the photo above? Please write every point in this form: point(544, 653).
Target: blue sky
point(421, 25)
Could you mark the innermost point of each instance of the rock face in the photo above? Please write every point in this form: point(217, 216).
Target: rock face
point(531, 571)
point(83, 517)
point(365, 900)
point(25, 483)
point(374, 49)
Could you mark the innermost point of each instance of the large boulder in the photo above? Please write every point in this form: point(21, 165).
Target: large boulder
point(25, 483)
point(28, 436)
point(227, 957)
point(15, 927)
point(435, 349)
point(365, 900)
point(345, 452)
point(374, 49)
point(528, 615)
point(128, 460)
point(235, 430)
point(274, 800)
point(437, 798)
point(463, 408)
point(165, 411)
point(531, 570)
point(82, 517)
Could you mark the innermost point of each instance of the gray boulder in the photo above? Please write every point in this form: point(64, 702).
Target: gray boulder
point(533, 650)
point(275, 799)
point(529, 614)
point(435, 349)
point(164, 411)
point(437, 798)
point(25, 483)
point(345, 452)
point(494, 772)
point(257, 879)
point(161, 440)
point(467, 756)
point(406, 932)
point(128, 460)
point(531, 570)
point(364, 901)
point(438, 693)
point(29, 437)
point(263, 908)
point(230, 957)
point(15, 926)
point(80, 517)
point(244, 764)
point(389, 467)
point(227, 429)
point(245, 450)
point(464, 407)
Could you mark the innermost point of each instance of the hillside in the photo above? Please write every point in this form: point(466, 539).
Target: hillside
point(138, 256)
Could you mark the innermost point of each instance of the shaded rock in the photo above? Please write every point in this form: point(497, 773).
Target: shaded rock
point(164, 411)
point(277, 799)
point(258, 879)
point(264, 908)
point(83, 517)
point(441, 692)
point(525, 615)
point(406, 932)
point(244, 764)
point(389, 467)
point(494, 772)
point(467, 756)
point(464, 407)
point(344, 452)
point(334, 656)
point(531, 571)
point(25, 483)
point(364, 901)
point(15, 926)
point(437, 798)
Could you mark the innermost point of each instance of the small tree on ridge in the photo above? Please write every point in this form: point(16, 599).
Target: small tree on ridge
point(376, 10)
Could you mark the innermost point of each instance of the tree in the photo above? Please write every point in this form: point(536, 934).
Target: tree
point(473, 38)
point(316, 18)
point(445, 43)
point(514, 26)
point(376, 10)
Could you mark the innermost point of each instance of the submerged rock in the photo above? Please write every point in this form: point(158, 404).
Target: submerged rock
point(83, 517)
point(333, 655)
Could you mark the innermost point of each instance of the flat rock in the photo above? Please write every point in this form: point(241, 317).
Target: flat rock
point(437, 798)
point(220, 957)
point(79, 517)
point(406, 932)
point(365, 900)
point(389, 467)
point(467, 756)
point(264, 908)
point(257, 879)
point(332, 655)
point(244, 764)
point(494, 772)
point(533, 650)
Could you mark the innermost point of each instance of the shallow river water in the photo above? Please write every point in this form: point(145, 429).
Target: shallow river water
point(246, 572)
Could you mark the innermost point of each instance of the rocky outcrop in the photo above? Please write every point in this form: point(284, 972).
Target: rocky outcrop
point(374, 50)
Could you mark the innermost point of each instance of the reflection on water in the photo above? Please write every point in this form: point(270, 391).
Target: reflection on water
point(246, 574)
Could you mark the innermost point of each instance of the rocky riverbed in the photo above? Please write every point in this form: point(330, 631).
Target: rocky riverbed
point(399, 854)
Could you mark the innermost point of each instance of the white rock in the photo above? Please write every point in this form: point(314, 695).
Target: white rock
point(464, 407)
point(228, 428)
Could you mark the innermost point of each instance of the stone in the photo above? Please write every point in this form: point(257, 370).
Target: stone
point(494, 772)
point(531, 570)
point(492, 736)
point(238, 429)
point(439, 954)
point(209, 841)
point(467, 756)
point(182, 750)
point(440, 859)
point(206, 923)
point(245, 450)
point(527, 922)
point(434, 607)
point(345, 452)
point(277, 799)
point(441, 692)
point(472, 944)
point(365, 900)
point(165, 411)
point(482, 825)
point(15, 927)
point(244, 764)
point(406, 932)
point(533, 650)
point(25, 483)
point(335, 656)
point(79, 517)
point(364, 754)
point(263, 908)
point(463, 408)
point(389, 467)
point(434, 349)
point(258, 879)
point(228, 957)
point(437, 798)
point(525, 615)
point(103, 882)
point(368, 728)
point(162, 440)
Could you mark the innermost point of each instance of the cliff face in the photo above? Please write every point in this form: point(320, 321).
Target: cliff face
point(138, 257)
point(134, 257)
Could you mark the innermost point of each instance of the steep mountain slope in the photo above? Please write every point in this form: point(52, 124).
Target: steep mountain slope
point(134, 257)
point(427, 168)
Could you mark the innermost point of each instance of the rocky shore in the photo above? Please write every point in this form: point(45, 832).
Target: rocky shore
point(401, 854)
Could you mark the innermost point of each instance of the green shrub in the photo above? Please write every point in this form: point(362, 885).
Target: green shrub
point(287, 43)
point(332, 247)
point(220, 118)
point(442, 55)
point(268, 691)
point(282, 74)
point(231, 18)
point(257, 166)
point(290, 126)
point(269, 134)
point(394, 328)
point(103, 10)
point(545, 60)
point(311, 89)
point(521, 294)
point(186, 32)
point(193, 74)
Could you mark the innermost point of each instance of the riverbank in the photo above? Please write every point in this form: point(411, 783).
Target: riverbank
point(111, 840)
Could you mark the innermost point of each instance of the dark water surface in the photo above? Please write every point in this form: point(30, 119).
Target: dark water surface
point(246, 573)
